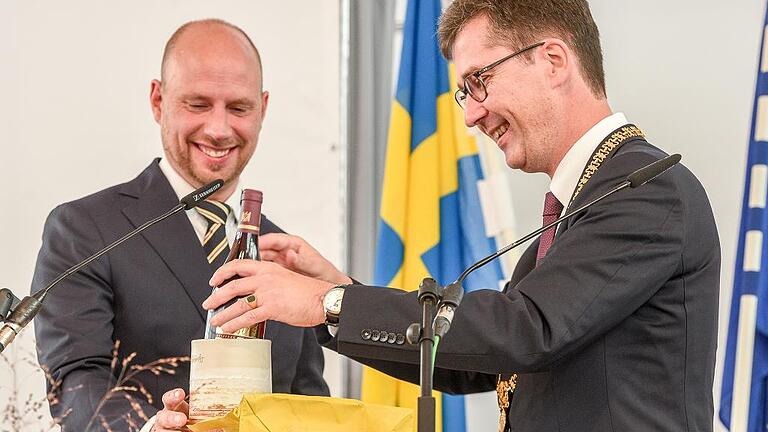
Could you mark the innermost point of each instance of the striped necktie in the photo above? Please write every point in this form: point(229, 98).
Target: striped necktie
point(215, 243)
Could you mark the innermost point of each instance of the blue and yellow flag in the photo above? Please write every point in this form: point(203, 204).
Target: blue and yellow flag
point(431, 219)
point(744, 396)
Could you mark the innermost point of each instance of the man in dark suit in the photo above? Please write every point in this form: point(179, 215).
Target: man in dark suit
point(608, 324)
point(146, 294)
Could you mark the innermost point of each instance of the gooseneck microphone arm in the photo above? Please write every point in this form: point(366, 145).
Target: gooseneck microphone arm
point(40, 295)
point(29, 306)
point(453, 293)
point(524, 239)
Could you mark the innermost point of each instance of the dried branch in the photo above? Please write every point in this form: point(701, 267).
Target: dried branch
point(18, 416)
point(128, 388)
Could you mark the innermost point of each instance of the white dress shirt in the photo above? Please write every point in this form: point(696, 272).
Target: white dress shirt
point(569, 170)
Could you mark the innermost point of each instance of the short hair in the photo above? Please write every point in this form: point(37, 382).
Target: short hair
point(171, 44)
point(518, 23)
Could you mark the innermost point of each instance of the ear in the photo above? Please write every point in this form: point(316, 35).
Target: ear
point(559, 62)
point(264, 103)
point(156, 99)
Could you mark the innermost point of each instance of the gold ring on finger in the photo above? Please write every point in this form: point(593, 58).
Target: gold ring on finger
point(250, 300)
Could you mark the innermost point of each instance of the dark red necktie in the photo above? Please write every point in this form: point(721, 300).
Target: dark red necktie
point(552, 209)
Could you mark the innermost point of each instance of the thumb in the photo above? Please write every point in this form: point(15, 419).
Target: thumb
point(174, 401)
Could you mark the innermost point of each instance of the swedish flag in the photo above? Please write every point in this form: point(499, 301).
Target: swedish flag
point(431, 222)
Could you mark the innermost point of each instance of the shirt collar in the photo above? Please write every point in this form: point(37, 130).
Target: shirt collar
point(570, 168)
point(182, 188)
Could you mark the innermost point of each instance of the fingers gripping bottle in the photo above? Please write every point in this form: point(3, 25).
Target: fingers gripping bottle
point(245, 246)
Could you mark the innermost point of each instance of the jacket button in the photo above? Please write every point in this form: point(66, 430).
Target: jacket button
point(391, 338)
point(383, 337)
point(365, 334)
point(400, 339)
point(375, 335)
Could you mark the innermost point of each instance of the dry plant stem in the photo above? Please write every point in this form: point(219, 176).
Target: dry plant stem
point(16, 418)
point(124, 385)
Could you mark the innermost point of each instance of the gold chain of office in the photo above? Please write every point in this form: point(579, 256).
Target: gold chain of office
point(614, 141)
point(505, 388)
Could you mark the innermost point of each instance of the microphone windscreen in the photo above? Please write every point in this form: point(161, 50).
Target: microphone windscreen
point(651, 171)
point(192, 200)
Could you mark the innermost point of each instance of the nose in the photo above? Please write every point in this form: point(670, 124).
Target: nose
point(217, 125)
point(473, 112)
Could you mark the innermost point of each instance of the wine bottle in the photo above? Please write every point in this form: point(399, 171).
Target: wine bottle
point(245, 246)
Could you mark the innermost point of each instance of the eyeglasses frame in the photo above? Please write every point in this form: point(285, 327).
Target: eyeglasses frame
point(482, 71)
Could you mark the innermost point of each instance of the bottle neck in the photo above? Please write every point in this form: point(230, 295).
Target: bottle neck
point(250, 217)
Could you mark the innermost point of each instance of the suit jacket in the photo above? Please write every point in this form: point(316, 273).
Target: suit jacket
point(146, 294)
point(615, 330)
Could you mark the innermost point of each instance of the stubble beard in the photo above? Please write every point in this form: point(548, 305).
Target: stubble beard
point(182, 161)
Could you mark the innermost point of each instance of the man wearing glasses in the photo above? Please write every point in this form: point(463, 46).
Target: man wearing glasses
point(608, 324)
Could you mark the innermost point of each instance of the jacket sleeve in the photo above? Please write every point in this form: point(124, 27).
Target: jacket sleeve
point(609, 261)
point(74, 329)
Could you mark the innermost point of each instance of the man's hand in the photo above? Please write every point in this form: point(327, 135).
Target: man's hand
point(173, 416)
point(294, 253)
point(273, 292)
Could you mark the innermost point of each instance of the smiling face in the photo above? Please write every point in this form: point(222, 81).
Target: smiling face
point(521, 111)
point(210, 105)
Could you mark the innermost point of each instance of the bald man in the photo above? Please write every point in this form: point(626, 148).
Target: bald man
point(146, 295)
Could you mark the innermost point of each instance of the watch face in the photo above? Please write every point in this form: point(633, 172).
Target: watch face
point(332, 300)
point(336, 305)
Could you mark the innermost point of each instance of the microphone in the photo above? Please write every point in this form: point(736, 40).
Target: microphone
point(29, 306)
point(192, 200)
point(454, 292)
point(452, 295)
point(651, 171)
point(8, 302)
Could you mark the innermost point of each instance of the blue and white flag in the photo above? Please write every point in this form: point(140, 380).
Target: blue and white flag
point(743, 403)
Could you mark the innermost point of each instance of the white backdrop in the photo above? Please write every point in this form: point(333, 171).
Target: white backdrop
point(75, 118)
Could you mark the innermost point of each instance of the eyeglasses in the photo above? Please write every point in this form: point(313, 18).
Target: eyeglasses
point(474, 85)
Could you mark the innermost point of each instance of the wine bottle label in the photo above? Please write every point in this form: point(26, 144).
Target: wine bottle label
point(232, 336)
point(245, 218)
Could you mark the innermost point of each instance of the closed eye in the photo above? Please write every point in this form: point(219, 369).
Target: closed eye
point(239, 110)
point(197, 106)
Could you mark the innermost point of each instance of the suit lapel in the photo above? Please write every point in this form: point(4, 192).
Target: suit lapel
point(174, 240)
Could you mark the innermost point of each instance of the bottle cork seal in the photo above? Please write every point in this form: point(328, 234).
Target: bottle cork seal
point(252, 195)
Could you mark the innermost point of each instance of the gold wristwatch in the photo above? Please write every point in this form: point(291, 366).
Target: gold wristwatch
point(332, 306)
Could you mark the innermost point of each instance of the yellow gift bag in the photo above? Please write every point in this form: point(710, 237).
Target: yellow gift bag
point(294, 413)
